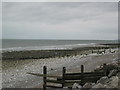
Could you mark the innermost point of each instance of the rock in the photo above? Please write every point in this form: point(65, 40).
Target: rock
point(110, 67)
point(118, 75)
point(51, 68)
point(88, 85)
point(98, 68)
point(119, 83)
point(118, 68)
point(98, 85)
point(103, 80)
point(76, 85)
point(112, 73)
point(113, 82)
point(106, 86)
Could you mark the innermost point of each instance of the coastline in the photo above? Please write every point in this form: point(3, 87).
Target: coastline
point(14, 76)
point(52, 53)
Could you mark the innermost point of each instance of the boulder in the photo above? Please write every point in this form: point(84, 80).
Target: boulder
point(103, 80)
point(88, 85)
point(98, 85)
point(112, 73)
point(106, 86)
point(76, 85)
point(118, 75)
point(113, 82)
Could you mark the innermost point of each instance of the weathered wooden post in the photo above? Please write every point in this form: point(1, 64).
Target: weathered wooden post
point(98, 51)
point(44, 77)
point(105, 69)
point(109, 50)
point(82, 68)
point(92, 51)
point(82, 74)
point(104, 50)
point(63, 76)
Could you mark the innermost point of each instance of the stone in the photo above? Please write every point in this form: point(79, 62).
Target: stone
point(98, 85)
point(119, 83)
point(103, 80)
point(113, 82)
point(106, 86)
point(76, 85)
point(118, 75)
point(88, 85)
point(112, 73)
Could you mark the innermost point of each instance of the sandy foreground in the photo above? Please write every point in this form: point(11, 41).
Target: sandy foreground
point(17, 77)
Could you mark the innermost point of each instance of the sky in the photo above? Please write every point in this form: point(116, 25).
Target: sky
point(60, 20)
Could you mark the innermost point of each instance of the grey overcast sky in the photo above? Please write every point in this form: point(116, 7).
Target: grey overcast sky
point(60, 20)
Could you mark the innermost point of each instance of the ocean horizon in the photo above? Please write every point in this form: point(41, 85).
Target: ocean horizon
point(46, 44)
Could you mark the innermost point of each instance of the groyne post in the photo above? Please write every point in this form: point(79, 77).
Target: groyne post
point(63, 76)
point(44, 78)
point(82, 74)
point(105, 69)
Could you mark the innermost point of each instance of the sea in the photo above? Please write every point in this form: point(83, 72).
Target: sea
point(38, 44)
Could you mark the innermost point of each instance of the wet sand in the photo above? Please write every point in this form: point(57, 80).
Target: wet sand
point(15, 74)
point(42, 54)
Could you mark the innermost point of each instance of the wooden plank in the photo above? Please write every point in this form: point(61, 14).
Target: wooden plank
point(51, 86)
point(91, 79)
point(70, 78)
point(70, 84)
point(54, 81)
point(73, 78)
point(85, 73)
point(73, 81)
point(78, 77)
point(42, 75)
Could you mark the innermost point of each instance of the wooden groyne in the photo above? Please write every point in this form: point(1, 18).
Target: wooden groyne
point(68, 79)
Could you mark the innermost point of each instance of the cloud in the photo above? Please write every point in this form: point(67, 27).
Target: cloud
point(63, 20)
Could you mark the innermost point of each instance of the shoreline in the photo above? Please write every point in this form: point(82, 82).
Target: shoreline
point(15, 71)
point(17, 77)
point(41, 54)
